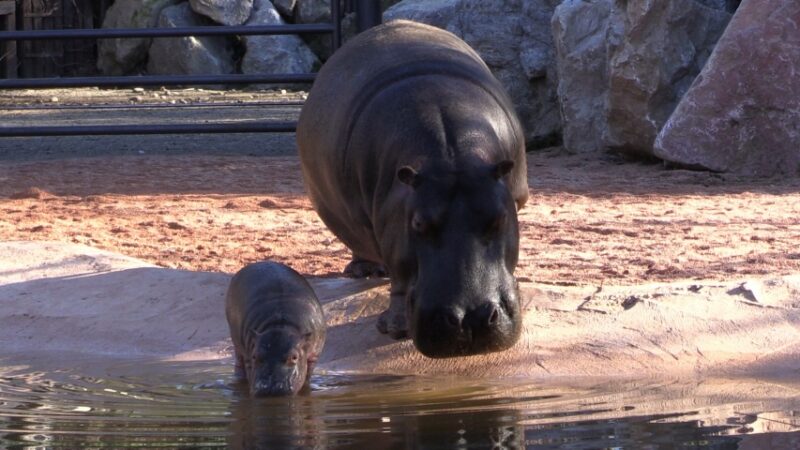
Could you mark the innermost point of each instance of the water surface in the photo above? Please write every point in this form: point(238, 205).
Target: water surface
point(196, 405)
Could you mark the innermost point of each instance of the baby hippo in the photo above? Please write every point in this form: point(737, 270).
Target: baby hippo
point(277, 328)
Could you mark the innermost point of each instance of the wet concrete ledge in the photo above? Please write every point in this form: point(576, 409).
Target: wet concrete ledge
point(64, 298)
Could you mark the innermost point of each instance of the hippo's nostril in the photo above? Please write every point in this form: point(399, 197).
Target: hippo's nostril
point(452, 320)
point(449, 319)
point(493, 316)
point(294, 356)
point(484, 317)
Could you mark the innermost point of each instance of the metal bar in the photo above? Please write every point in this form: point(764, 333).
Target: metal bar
point(336, 22)
point(109, 130)
point(368, 14)
point(110, 33)
point(249, 104)
point(10, 55)
point(155, 80)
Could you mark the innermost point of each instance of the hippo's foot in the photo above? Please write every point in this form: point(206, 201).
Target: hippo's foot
point(393, 321)
point(239, 374)
point(362, 268)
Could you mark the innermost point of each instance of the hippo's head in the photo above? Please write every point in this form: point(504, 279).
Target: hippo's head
point(463, 233)
point(278, 363)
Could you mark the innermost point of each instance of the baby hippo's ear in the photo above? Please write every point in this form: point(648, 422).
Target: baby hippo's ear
point(407, 175)
point(502, 168)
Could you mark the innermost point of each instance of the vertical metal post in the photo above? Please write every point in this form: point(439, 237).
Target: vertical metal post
point(8, 51)
point(368, 14)
point(336, 21)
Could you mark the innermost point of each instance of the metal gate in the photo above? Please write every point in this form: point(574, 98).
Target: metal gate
point(367, 15)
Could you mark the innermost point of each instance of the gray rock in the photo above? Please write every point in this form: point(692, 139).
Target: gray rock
point(514, 39)
point(580, 34)
point(625, 64)
point(123, 56)
point(205, 55)
point(226, 12)
point(274, 54)
point(312, 11)
point(742, 114)
point(725, 5)
point(662, 47)
point(285, 7)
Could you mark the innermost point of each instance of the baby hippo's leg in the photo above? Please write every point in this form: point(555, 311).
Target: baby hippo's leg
point(238, 369)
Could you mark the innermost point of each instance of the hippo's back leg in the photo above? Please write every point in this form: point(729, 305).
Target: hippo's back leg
point(363, 268)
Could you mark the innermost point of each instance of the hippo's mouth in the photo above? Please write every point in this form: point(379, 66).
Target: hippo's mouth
point(288, 382)
point(489, 327)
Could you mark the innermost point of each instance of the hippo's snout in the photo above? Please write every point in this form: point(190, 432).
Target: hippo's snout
point(447, 331)
point(282, 379)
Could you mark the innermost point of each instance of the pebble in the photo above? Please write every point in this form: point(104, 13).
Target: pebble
point(138, 89)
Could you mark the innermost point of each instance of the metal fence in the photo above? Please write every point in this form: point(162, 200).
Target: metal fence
point(367, 14)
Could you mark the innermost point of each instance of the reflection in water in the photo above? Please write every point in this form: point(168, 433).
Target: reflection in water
point(193, 405)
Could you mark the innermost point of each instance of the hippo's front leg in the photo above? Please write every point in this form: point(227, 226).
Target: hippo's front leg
point(239, 372)
point(393, 321)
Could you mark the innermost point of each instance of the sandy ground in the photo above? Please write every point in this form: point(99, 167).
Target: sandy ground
point(59, 299)
point(590, 220)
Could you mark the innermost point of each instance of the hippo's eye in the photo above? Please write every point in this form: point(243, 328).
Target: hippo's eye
point(419, 225)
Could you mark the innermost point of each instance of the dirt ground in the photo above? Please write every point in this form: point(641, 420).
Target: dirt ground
point(590, 220)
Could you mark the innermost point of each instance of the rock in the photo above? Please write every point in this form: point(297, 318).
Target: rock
point(742, 114)
point(312, 11)
point(274, 54)
point(724, 5)
point(514, 39)
point(624, 65)
point(123, 56)
point(204, 55)
point(285, 7)
point(579, 32)
point(226, 12)
point(662, 47)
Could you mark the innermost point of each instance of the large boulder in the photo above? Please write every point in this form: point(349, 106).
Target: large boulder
point(514, 39)
point(203, 55)
point(662, 47)
point(742, 114)
point(624, 65)
point(580, 31)
point(274, 54)
point(226, 12)
point(123, 56)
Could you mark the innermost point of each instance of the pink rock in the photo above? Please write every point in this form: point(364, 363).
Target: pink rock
point(742, 114)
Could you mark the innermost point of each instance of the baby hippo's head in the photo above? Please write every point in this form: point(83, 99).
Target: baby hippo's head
point(279, 363)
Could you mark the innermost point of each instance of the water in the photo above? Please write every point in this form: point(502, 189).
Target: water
point(195, 405)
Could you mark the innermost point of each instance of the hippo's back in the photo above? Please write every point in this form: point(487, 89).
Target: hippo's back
point(368, 64)
point(267, 293)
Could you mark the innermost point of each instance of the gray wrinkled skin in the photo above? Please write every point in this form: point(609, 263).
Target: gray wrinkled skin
point(277, 328)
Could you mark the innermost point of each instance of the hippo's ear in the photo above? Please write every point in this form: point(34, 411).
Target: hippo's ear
point(502, 168)
point(407, 175)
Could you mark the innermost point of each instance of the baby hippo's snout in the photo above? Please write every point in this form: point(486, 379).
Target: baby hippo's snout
point(286, 375)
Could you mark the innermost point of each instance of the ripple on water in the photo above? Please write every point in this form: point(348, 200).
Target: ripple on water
point(157, 404)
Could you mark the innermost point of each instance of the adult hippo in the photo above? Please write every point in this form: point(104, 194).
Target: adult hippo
point(413, 156)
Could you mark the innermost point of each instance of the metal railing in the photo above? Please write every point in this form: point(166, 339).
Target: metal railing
point(367, 15)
